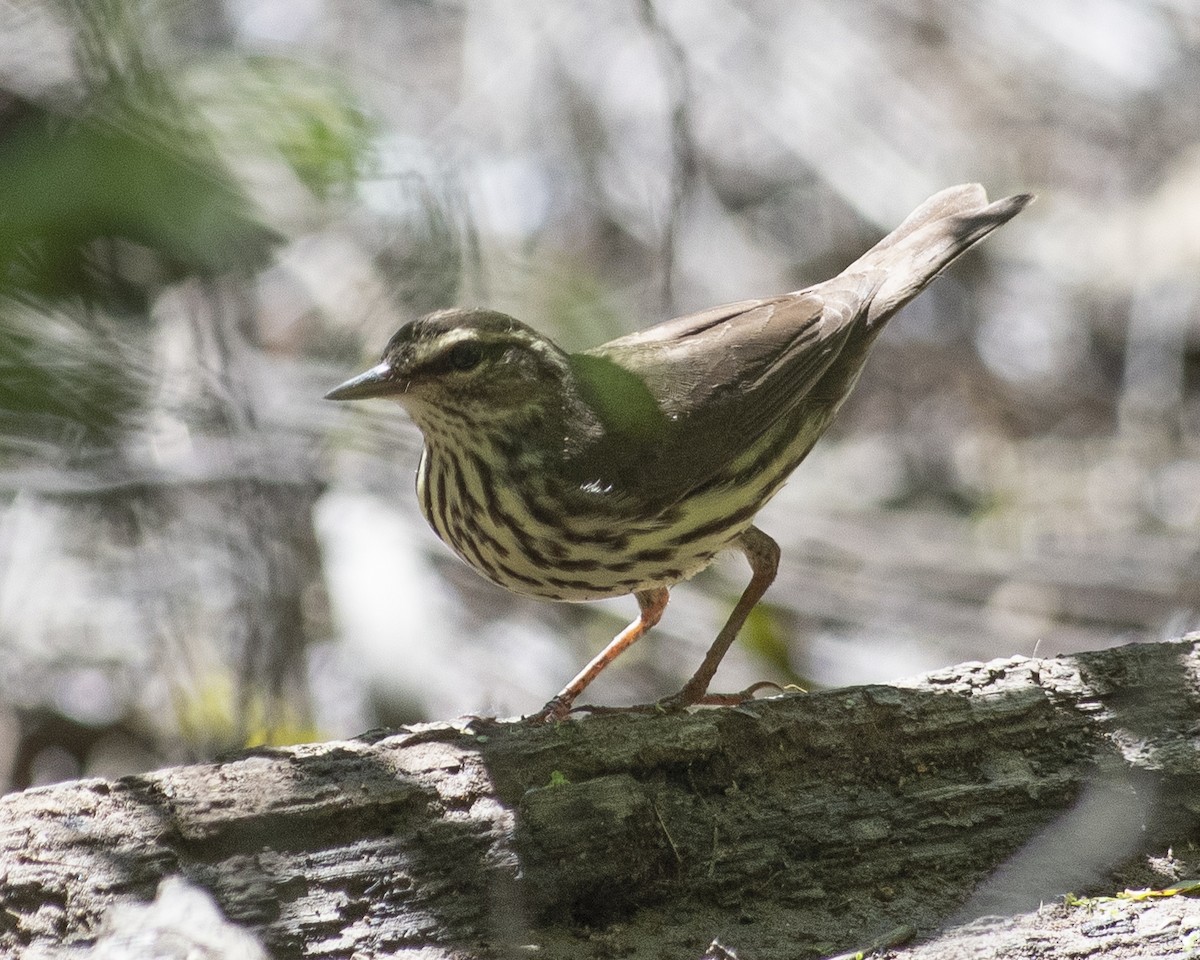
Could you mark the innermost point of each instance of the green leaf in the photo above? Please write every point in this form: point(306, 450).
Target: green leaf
point(619, 398)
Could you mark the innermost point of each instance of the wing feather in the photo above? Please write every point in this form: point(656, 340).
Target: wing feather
point(720, 378)
point(673, 405)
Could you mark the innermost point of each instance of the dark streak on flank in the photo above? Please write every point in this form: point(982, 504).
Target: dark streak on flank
point(717, 526)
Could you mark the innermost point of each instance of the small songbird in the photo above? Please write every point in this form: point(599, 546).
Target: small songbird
point(627, 468)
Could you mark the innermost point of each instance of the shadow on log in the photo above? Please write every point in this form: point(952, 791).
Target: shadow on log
point(796, 826)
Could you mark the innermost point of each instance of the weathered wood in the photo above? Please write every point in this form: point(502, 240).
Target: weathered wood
point(790, 827)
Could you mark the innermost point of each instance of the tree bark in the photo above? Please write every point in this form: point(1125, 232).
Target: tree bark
point(795, 826)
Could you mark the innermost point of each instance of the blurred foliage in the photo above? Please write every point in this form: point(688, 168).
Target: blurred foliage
point(213, 717)
point(209, 212)
point(65, 381)
point(765, 636)
point(138, 202)
point(430, 240)
point(99, 211)
point(113, 195)
point(103, 206)
point(307, 116)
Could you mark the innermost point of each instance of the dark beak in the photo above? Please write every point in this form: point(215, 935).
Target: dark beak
point(376, 382)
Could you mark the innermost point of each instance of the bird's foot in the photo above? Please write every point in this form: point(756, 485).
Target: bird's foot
point(673, 704)
point(555, 710)
point(473, 723)
point(692, 698)
point(599, 711)
point(685, 699)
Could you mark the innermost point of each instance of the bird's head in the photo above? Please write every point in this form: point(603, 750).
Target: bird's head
point(473, 365)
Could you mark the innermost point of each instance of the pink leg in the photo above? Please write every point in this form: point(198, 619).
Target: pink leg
point(652, 604)
point(763, 554)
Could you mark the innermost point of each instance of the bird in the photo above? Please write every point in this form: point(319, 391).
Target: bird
point(626, 468)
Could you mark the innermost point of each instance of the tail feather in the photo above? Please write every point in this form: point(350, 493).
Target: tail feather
point(931, 238)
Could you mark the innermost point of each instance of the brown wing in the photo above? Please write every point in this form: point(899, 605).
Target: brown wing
point(677, 402)
point(681, 400)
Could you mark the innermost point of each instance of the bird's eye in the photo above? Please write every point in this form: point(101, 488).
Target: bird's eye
point(464, 356)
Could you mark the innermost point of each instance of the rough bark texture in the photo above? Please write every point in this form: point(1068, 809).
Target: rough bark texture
point(790, 827)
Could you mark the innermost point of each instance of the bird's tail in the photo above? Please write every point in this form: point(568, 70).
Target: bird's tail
point(932, 237)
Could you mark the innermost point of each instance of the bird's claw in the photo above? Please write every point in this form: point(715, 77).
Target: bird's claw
point(473, 723)
point(555, 711)
point(686, 698)
point(676, 703)
point(601, 711)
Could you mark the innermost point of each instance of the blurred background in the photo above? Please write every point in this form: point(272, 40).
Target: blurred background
point(212, 212)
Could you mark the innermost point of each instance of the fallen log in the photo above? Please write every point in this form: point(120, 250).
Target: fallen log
point(799, 825)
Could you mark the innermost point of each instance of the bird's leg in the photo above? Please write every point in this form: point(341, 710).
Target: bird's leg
point(652, 603)
point(763, 554)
